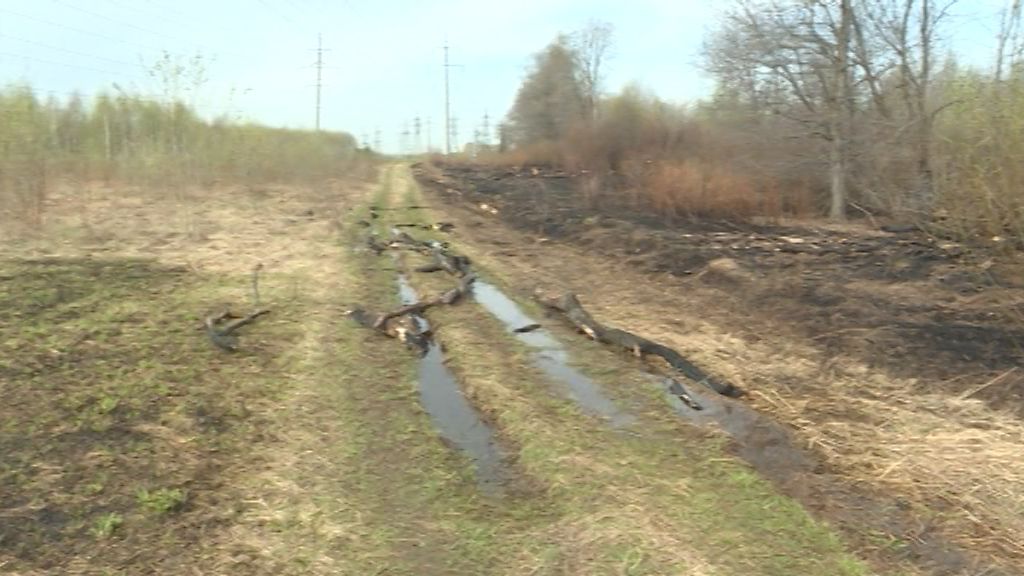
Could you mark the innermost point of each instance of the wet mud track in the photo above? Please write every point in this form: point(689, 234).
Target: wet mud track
point(770, 449)
point(910, 303)
point(456, 420)
point(905, 304)
point(549, 355)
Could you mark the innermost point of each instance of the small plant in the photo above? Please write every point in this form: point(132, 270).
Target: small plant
point(163, 500)
point(107, 524)
point(108, 404)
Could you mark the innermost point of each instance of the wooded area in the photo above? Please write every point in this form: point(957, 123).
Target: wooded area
point(840, 108)
point(156, 141)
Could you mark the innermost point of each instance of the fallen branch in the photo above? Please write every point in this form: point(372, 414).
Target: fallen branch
point(405, 330)
point(222, 333)
point(570, 306)
point(447, 298)
point(439, 226)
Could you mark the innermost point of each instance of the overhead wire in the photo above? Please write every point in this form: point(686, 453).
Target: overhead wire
point(69, 51)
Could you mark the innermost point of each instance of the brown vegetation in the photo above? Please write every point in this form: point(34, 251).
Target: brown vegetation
point(853, 118)
point(130, 140)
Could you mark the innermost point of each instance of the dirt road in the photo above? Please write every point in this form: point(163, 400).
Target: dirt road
point(892, 357)
point(132, 445)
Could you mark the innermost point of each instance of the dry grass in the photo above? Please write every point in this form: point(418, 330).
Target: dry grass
point(696, 189)
point(956, 461)
point(662, 499)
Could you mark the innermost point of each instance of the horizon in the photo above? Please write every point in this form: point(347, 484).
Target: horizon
point(64, 47)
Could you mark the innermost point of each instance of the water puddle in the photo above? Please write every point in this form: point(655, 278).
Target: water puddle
point(549, 355)
point(760, 441)
point(454, 417)
point(768, 447)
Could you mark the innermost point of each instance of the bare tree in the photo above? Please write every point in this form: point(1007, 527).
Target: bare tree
point(591, 47)
point(856, 75)
point(1009, 45)
point(791, 59)
point(908, 30)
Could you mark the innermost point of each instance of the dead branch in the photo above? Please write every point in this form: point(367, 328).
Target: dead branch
point(571, 308)
point(222, 334)
point(439, 226)
point(405, 329)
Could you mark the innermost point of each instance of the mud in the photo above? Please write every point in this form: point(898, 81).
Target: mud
point(916, 305)
point(453, 416)
point(768, 448)
point(549, 355)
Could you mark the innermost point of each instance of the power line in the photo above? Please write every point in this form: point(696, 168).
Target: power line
point(66, 65)
point(109, 38)
point(79, 30)
point(112, 20)
point(279, 12)
point(75, 52)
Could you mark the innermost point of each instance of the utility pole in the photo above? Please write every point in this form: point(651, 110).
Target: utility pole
point(454, 131)
point(447, 105)
point(319, 75)
point(417, 126)
point(447, 102)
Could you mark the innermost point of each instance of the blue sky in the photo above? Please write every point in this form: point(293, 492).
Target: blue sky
point(383, 58)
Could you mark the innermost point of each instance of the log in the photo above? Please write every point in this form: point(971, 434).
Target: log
point(569, 305)
point(222, 335)
point(401, 323)
point(405, 330)
point(439, 226)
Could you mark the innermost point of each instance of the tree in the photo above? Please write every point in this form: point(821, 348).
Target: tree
point(907, 30)
point(591, 47)
point(791, 59)
point(550, 99)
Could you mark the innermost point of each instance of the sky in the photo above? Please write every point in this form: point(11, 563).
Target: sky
point(382, 60)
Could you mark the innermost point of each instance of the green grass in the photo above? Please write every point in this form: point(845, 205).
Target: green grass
point(308, 452)
point(111, 385)
point(700, 498)
point(161, 500)
point(106, 525)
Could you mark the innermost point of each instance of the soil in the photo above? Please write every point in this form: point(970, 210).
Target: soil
point(921, 306)
point(888, 359)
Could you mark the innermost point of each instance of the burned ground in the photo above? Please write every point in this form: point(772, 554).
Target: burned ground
point(922, 306)
point(910, 444)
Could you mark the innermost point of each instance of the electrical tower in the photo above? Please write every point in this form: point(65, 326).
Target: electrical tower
point(319, 75)
point(454, 132)
point(447, 105)
point(417, 127)
point(404, 139)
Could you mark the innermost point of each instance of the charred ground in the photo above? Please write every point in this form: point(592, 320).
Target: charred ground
point(923, 306)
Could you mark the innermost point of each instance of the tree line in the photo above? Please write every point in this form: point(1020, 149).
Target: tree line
point(841, 108)
point(157, 142)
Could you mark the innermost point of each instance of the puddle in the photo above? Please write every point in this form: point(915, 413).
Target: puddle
point(768, 447)
point(549, 355)
point(453, 416)
point(760, 441)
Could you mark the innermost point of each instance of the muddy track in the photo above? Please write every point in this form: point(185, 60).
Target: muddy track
point(884, 523)
point(920, 306)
